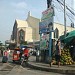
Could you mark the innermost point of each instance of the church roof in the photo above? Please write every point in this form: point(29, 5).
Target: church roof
point(21, 23)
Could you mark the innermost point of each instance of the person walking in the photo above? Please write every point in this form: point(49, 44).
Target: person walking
point(8, 51)
point(5, 58)
point(58, 53)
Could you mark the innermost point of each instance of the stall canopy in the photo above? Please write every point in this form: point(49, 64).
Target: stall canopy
point(69, 37)
point(62, 37)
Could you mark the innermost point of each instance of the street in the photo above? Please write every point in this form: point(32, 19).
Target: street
point(5, 68)
point(19, 70)
point(16, 69)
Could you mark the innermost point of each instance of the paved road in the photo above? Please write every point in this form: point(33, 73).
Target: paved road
point(19, 70)
point(16, 69)
point(13, 69)
point(5, 68)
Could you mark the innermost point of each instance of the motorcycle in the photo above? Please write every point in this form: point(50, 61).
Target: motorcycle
point(24, 60)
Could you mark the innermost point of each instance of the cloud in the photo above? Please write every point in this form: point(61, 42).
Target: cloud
point(19, 5)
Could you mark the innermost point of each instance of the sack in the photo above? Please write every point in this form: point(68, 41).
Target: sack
point(4, 59)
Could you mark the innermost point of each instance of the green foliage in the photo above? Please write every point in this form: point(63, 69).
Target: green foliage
point(23, 43)
point(1, 45)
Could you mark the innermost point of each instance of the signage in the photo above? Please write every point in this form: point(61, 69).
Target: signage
point(46, 23)
point(45, 28)
point(47, 14)
point(44, 41)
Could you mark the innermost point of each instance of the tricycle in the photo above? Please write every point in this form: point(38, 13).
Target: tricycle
point(16, 55)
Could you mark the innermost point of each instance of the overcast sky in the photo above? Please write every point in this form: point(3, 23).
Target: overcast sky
point(18, 9)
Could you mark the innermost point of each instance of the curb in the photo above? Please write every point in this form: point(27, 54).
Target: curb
point(61, 71)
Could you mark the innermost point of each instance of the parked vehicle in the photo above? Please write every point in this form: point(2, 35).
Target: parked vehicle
point(16, 55)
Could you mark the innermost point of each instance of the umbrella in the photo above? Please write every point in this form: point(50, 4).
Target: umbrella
point(69, 37)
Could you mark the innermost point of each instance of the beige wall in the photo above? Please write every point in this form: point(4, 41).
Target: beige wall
point(61, 29)
point(28, 34)
point(21, 23)
point(34, 23)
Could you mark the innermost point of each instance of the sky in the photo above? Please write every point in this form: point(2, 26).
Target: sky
point(18, 9)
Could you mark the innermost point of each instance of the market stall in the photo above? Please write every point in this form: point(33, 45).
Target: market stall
point(68, 50)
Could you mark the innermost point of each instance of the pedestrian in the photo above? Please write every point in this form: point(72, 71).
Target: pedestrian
point(58, 53)
point(2, 52)
point(5, 58)
point(8, 51)
point(5, 53)
point(47, 44)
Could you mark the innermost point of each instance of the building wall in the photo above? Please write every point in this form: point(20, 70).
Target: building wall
point(14, 35)
point(22, 23)
point(28, 34)
point(61, 28)
point(31, 28)
point(34, 23)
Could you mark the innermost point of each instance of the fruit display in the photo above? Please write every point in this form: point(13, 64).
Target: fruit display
point(66, 57)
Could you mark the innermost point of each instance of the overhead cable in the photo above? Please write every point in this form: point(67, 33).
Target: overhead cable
point(67, 8)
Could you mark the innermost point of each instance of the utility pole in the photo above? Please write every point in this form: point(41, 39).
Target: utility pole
point(64, 19)
point(49, 3)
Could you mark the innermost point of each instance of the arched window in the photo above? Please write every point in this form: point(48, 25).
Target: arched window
point(21, 35)
point(56, 33)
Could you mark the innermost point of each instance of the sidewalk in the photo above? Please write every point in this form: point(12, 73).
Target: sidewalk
point(68, 69)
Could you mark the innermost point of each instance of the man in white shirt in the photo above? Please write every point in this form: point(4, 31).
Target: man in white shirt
point(8, 53)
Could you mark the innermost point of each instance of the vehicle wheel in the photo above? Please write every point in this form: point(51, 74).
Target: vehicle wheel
point(13, 61)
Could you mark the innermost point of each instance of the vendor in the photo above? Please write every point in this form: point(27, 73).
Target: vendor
point(72, 49)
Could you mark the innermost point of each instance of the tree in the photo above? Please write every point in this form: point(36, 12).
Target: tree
point(1, 44)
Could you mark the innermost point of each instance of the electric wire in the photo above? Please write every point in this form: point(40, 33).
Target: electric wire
point(66, 7)
point(70, 17)
point(67, 14)
point(69, 6)
point(58, 9)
